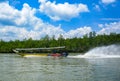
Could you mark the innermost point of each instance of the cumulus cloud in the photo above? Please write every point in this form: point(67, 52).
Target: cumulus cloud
point(109, 28)
point(20, 24)
point(108, 1)
point(12, 16)
point(100, 25)
point(7, 14)
point(13, 33)
point(60, 11)
point(79, 32)
point(25, 15)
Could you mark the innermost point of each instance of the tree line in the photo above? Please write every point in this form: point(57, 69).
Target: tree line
point(75, 44)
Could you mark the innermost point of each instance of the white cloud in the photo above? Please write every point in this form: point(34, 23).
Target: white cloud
point(7, 13)
point(100, 25)
point(110, 28)
point(79, 32)
point(60, 11)
point(26, 15)
point(108, 1)
point(20, 24)
point(12, 33)
point(12, 16)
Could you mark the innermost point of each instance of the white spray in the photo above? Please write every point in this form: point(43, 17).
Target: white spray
point(103, 51)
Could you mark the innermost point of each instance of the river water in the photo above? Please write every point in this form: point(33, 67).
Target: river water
point(16, 68)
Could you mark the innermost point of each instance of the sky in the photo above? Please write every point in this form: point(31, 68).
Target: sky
point(24, 19)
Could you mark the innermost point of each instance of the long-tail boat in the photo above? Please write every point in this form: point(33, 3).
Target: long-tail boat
point(33, 52)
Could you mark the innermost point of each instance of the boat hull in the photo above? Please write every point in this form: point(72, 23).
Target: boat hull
point(41, 55)
point(32, 54)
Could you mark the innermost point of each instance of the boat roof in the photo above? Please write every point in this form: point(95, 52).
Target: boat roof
point(50, 48)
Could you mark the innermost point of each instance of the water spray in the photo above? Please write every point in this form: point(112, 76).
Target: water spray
point(111, 51)
point(105, 50)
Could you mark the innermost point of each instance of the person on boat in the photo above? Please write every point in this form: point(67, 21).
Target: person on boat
point(65, 54)
point(55, 54)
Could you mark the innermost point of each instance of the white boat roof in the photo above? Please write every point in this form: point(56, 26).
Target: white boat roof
point(61, 47)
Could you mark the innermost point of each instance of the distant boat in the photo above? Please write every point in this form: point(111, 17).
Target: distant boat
point(35, 52)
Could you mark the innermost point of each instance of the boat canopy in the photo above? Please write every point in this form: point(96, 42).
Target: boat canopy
point(51, 48)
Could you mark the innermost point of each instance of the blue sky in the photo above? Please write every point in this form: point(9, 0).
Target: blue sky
point(20, 19)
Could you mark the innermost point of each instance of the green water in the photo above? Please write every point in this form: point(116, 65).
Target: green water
point(16, 68)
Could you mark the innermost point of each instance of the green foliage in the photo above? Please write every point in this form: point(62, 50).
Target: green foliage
point(83, 44)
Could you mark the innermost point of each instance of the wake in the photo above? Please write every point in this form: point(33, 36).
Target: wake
point(111, 51)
